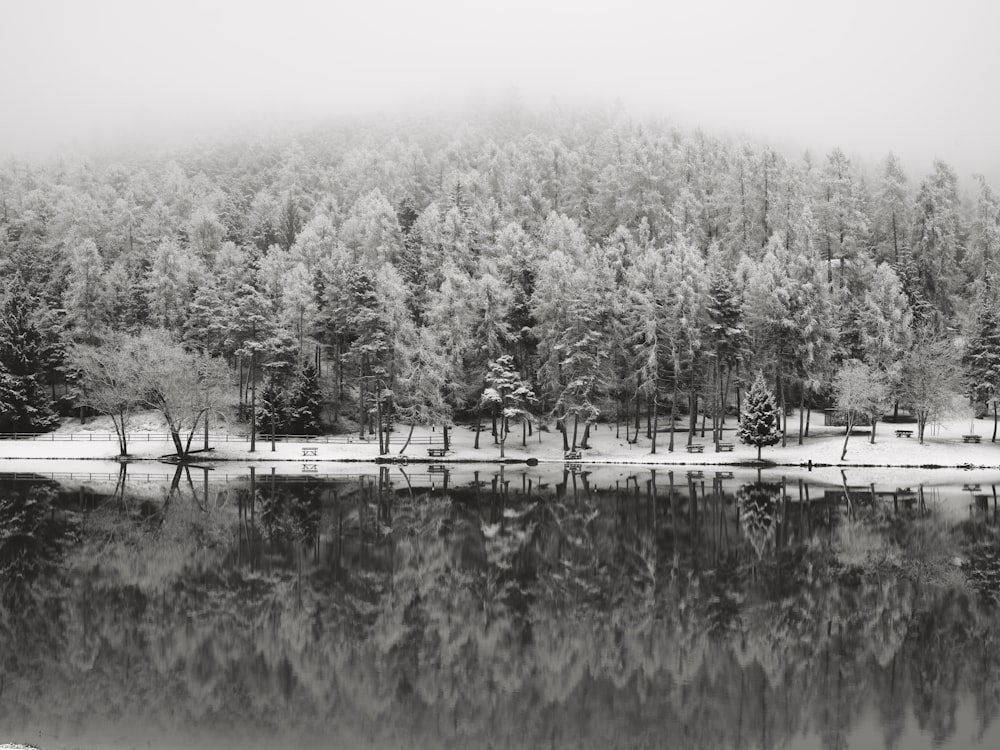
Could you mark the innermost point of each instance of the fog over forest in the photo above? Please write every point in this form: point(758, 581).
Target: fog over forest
point(911, 77)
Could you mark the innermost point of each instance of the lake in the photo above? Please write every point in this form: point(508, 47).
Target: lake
point(498, 607)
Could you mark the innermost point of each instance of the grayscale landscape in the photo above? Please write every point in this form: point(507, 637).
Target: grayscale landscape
point(452, 375)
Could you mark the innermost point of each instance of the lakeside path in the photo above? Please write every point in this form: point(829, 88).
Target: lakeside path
point(943, 447)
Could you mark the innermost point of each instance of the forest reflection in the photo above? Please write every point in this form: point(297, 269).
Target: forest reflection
point(501, 608)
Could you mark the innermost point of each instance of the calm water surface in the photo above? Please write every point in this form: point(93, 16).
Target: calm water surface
point(489, 608)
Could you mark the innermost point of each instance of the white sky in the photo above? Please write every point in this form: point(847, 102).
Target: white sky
point(915, 76)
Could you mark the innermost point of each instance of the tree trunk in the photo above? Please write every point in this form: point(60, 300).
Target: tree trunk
point(193, 430)
point(739, 402)
point(673, 417)
point(994, 422)
point(361, 404)
point(586, 436)
point(479, 427)
point(175, 436)
point(716, 400)
point(637, 420)
point(447, 440)
point(692, 415)
point(378, 419)
point(240, 407)
point(408, 438)
point(847, 436)
point(656, 424)
point(120, 429)
point(274, 427)
point(576, 428)
point(784, 413)
point(874, 423)
point(253, 405)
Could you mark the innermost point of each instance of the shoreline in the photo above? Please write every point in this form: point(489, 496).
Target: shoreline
point(944, 447)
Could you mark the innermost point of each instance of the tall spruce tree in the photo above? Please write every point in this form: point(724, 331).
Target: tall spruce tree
point(982, 359)
point(306, 402)
point(24, 402)
point(759, 421)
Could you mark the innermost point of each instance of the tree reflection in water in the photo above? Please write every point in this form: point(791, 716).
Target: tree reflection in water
point(371, 612)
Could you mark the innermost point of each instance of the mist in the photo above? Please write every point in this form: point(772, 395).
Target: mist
point(910, 77)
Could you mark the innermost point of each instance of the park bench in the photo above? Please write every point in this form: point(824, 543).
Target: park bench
point(309, 452)
point(437, 452)
point(437, 469)
point(723, 475)
point(970, 438)
point(726, 447)
point(904, 433)
point(696, 448)
point(696, 475)
point(573, 455)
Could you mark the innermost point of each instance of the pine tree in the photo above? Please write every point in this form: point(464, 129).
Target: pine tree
point(508, 394)
point(982, 359)
point(273, 409)
point(305, 402)
point(24, 402)
point(759, 421)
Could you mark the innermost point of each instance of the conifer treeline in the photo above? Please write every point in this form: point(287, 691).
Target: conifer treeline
point(627, 269)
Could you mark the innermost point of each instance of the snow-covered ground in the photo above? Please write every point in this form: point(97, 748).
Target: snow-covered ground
point(943, 447)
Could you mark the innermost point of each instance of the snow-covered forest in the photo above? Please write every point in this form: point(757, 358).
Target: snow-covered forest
point(570, 268)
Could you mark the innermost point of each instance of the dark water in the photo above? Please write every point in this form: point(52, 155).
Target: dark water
point(523, 608)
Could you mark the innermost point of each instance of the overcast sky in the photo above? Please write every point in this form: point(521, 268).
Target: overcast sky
point(914, 76)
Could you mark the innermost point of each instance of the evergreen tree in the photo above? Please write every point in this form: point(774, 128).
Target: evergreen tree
point(759, 421)
point(508, 394)
point(273, 412)
point(982, 359)
point(24, 403)
point(305, 402)
point(939, 239)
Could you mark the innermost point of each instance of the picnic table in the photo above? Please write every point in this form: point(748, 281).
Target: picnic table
point(904, 433)
point(696, 448)
point(573, 455)
point(437, 452)
point(971, 438)
point(726, 447)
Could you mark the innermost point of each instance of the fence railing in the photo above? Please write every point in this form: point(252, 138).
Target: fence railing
point(215, 476)
point(398, 438)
